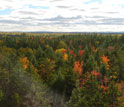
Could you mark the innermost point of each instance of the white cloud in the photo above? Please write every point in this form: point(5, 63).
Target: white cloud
point(62, 15)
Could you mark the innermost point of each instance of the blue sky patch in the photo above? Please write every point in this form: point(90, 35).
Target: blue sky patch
point(40, 7)
point(91, 1)
point(5, 11)
point(122, 6)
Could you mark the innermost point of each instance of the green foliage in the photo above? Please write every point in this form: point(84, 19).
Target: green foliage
point(64, 80)
point(20, 88)
point(91, 94)
point(34, 74)
point(1, 95)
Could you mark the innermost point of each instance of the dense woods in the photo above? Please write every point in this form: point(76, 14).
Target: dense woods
point(61, 70)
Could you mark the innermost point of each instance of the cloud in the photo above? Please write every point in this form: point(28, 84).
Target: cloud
point(63, 7)
point(56, 0)
point(62, 15)
point(60, 18)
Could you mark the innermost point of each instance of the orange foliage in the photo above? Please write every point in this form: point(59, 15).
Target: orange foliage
point(25, 62)
point(105, 60)
point(78, 67)
point(96, 74)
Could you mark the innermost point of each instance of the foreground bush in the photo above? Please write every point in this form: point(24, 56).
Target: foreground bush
point(93, 94)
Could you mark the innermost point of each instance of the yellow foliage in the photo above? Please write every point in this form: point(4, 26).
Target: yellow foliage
point(22, 51)
point(97, 42)
point(113, 77)
point(47, 46)
point(65, 57)
point(48, 59)
point(1, 42)
point(47, 67)
point(60, 50)
point(62, 44)
point(42, 41)
point(7, 50)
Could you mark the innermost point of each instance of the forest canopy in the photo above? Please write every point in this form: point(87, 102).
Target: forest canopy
point(61, 70)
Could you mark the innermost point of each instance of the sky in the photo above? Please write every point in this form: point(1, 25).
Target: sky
point(62, 15)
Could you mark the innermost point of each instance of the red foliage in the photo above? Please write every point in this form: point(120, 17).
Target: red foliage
point(70, 42)
point(104, 87)
point(80, 52)
point(74, 55)
point(83, 81)
point(80, 46)
point(71, 52)
point(110, 48)
point(63, 51)
point(105, 79)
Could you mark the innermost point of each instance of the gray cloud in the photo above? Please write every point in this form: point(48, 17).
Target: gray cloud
point(9, 0)
point(94, 8)
point(56, 0)
point(64, 7)
point(113, 21)
point(31, 21)
point(87, 22)
point(95, 17)
point(60, 18)
point(54, 23)
point(102, 21)
point(75, 9)
point(65, 21)
point(20, 22)
point(82, 10)
point(111, 12)
point(28, 18)
point(27, 13)
point(61, 21)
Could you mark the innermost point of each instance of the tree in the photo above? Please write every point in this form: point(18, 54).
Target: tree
point(62, 44)
point(91, 93)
